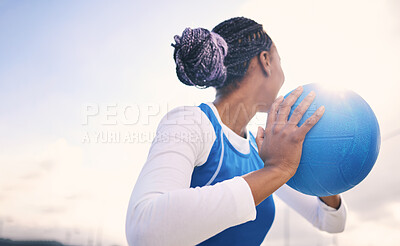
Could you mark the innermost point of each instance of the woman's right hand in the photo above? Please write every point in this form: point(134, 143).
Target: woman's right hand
point(280, 144)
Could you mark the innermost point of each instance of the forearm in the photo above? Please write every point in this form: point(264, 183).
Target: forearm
point(332, 201)
point(265, 181)
point(189, 216)
point(313, 209)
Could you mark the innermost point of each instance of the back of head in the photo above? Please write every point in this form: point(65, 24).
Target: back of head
point(221, 57)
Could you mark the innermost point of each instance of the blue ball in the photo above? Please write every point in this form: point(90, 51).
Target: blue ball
point(341, 149)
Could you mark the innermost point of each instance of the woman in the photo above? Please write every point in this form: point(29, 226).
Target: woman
point(207, 179)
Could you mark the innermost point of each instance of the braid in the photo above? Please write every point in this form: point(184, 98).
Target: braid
point(246, 39)
point(221, 57)
point(199, 57)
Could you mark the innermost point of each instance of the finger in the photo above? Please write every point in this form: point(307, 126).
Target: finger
point(311, 121)
point(260, 133)
point(302, 108)
point(273, 111)
point(259, 137)
point(286, 105)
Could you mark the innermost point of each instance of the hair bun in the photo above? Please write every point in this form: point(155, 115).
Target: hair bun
point(199, 56)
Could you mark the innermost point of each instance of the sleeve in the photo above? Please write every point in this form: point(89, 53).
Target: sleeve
point(314, 210)
point(163, 209)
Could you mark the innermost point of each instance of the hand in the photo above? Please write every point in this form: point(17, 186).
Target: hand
point(280, 144)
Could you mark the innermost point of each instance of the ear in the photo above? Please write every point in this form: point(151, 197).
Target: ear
point(265, 62)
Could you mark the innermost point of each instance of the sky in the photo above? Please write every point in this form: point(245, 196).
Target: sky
point(83, 85)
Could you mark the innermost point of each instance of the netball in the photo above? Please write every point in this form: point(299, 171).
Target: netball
point(341, 149)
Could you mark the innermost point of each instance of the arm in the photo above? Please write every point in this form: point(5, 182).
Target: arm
point(314, 210)
point(332, 201)
point(280, 144)
point(163, 209)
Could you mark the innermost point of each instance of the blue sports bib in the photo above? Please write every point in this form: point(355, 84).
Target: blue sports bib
point(225, 162)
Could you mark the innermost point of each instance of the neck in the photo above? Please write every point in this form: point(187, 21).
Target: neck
point(236, 110)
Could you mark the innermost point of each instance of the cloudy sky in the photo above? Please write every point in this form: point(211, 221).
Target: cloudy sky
point(83, 86)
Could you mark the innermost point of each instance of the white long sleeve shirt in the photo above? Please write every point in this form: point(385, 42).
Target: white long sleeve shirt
point(164, 210)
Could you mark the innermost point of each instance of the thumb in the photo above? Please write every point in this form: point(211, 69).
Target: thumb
point(259, 137)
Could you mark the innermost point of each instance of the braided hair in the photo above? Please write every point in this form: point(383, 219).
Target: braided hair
point(219, 58)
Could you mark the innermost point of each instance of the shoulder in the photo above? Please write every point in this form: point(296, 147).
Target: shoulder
point(191, 118)
point(190, 125)
point(185, 116)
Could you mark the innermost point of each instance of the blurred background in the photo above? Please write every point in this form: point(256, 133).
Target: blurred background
point(84, 84)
